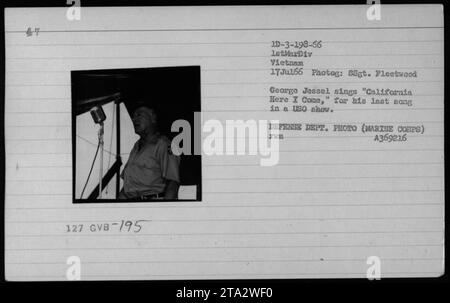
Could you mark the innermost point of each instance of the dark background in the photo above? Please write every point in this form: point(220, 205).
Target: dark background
point(174, 92)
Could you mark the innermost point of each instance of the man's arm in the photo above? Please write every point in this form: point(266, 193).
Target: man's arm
point(170, 168)
point(171, 190)
point(121, 194)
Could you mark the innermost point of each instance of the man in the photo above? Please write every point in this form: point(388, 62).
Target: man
point(152, 171)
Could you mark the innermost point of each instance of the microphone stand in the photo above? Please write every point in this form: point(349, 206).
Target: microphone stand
point(100, 142)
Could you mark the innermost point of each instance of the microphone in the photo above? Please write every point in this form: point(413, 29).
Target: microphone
point(98, 114)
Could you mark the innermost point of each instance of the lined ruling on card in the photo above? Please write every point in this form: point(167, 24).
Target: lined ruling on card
point(360, 170)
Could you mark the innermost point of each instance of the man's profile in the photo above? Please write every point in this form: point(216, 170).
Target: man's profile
point(152, 171)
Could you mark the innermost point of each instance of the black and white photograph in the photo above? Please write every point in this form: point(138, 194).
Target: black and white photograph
point(122, 135)
point(225, 145)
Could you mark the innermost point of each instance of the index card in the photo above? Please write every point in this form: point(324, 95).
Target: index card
point(320, 131)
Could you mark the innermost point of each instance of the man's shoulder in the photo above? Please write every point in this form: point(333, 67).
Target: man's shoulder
point(163, 140)
point(158, 140)
point(164, 144)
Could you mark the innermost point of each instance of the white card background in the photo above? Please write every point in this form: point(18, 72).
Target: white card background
point(334, 199)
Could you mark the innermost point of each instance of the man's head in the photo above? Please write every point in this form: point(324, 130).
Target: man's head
point(144, 121)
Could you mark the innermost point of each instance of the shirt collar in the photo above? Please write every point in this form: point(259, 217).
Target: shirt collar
point(151, 139)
